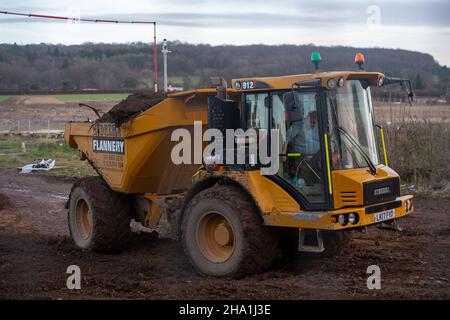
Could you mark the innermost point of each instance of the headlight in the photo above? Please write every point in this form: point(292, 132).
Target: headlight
point(331, 84)
point(380, 82)
point(352, 218)
point(408, 205)
point(341, 220)
point(341, 82)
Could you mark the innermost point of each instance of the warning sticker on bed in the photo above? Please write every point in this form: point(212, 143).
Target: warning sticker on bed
point(115, 146)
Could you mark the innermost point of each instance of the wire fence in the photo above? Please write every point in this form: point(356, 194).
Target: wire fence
point(34, 125)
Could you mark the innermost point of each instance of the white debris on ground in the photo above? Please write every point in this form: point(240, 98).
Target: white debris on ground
point(45, 165)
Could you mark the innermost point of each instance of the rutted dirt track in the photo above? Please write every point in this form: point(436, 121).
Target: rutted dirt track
point(35, 251)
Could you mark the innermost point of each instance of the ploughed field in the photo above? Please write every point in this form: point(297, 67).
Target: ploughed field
point(35, 251)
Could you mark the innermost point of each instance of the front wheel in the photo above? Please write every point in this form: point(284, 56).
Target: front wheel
point(223, 234)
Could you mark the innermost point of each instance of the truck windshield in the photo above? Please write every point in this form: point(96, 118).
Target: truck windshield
point(350, 117)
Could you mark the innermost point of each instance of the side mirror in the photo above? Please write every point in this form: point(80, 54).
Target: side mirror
point(406, 83)
point(221, 86)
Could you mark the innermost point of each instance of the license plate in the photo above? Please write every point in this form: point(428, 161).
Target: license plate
point(385, 215)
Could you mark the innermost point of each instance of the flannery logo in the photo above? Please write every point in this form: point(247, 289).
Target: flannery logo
point(380, 191)
point(108, 145)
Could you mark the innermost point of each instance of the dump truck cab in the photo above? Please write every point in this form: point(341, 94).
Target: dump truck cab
point(304, 157)
point(333, 165)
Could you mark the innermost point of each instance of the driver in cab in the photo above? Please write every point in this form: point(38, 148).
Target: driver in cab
point(302, 137)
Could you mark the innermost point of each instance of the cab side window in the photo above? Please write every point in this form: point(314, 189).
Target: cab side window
point(256, 111)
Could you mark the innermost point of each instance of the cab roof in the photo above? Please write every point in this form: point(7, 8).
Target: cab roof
point(286, 82)
point(283, 82)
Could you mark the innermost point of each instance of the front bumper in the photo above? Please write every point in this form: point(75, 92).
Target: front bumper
point(324, 220)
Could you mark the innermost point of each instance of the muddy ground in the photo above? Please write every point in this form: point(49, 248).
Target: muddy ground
point(35, 251)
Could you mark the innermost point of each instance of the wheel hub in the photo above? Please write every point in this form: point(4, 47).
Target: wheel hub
point(83, 219)
point(224, 235)
point(215, 237)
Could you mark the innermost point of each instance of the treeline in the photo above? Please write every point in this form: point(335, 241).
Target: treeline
point(115, 66)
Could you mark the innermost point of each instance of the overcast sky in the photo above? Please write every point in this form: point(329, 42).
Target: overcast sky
point(414, 25)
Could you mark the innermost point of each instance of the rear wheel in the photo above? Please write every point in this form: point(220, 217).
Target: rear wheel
point(84, 220)
point(223, 234)
point(98, 217)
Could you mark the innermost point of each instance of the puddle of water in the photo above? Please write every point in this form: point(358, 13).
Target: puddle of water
point(16, 190)
point(21, 190)
point(60, 197)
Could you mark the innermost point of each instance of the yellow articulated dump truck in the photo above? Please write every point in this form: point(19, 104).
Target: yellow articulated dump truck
point(327, 172)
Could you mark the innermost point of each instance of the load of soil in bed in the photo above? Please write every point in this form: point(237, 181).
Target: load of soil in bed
point(132, 106)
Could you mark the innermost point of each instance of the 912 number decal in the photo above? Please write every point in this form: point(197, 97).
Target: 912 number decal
point(248, 85)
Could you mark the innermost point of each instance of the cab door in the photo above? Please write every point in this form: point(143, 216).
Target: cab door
point(302, 171)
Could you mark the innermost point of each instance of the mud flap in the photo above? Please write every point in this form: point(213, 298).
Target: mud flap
point(390, 225)
point(318, 247)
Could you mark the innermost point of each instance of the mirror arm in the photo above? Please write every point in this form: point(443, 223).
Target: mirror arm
point(406, 83)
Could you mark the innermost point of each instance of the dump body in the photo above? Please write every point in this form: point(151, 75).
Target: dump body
point(136, 157)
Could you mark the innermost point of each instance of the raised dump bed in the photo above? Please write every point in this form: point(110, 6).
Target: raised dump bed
point(130, 146)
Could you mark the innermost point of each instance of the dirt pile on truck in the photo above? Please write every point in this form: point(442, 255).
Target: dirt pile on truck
point(132, 106)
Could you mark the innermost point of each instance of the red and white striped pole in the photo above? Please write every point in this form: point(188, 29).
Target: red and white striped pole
point(44, 16)
point(155, 58)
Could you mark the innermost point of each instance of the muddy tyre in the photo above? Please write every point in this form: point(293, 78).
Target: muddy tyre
point(99, 218)
point(335, 242)
point(223, 234)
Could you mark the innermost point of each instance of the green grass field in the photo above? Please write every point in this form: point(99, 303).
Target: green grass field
point(67, 161)
point(91, 96)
